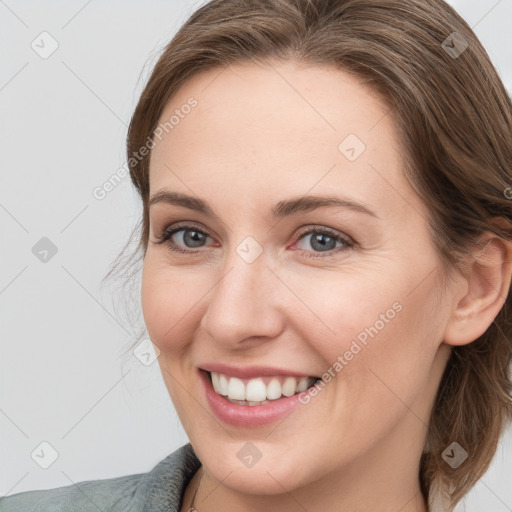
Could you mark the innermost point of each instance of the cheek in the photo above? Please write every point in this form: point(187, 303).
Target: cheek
point(171, 301)
point(375, 336)
point(338, 309)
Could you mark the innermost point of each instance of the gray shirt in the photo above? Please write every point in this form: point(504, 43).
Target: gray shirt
point(160, 489)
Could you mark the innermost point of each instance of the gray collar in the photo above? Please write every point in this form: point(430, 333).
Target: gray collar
point(166, 483)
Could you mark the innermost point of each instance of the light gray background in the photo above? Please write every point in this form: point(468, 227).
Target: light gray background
point(63, 379)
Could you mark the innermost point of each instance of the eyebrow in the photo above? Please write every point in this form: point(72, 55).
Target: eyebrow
point(279, 210)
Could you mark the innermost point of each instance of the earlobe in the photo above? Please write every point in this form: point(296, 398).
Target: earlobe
point(486, 283)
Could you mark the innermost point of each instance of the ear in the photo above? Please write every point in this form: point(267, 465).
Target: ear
point(485, 282)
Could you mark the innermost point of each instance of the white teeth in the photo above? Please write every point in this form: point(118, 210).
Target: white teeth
point(274, 389)
point(303, 384)
point(236, 389)
point(289, 386)
point(223, 385)
point(255, 391)
point(215, 381)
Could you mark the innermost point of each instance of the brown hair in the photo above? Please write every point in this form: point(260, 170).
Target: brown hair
point(455, 118)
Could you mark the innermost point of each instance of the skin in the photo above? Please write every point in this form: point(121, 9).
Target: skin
point(258, 135)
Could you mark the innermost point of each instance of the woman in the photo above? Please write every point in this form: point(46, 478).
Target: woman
point(326, 245)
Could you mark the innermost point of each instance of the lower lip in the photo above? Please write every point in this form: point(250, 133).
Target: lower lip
point(247, 415)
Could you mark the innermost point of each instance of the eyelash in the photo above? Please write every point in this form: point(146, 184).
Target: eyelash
point(167, 233)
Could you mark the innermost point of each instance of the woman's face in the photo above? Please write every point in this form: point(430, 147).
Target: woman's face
point(350, 293)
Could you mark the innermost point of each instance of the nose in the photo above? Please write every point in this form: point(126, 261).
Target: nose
point(244, 304)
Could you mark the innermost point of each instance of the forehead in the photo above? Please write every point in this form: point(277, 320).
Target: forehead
point(282, 127)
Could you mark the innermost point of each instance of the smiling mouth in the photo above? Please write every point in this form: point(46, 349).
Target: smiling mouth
point(259, 390)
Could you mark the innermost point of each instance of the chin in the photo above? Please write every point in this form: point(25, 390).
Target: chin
point(276, 470)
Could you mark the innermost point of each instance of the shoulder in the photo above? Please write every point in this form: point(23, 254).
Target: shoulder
point(162, 488)
point(107, 494)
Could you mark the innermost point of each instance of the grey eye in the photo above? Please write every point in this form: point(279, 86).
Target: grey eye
point(191, 238)
point(319, 241)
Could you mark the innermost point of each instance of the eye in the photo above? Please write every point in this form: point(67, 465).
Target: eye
point(324, 240)
point(187, 235)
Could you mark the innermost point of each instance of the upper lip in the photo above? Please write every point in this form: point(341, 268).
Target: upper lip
point(249, 372)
